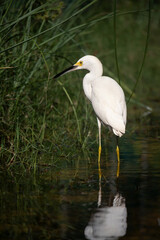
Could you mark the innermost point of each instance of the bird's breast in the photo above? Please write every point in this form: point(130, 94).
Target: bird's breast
point(87, 85)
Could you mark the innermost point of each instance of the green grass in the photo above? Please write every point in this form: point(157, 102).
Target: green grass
point(43, 121)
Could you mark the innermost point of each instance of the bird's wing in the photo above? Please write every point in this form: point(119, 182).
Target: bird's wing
point(109, 103)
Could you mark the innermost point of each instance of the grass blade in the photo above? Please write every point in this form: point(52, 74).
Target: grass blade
point(145, 53)
point(115, 40)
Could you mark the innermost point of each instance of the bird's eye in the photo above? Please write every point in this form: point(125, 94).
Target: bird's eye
point(80, 63)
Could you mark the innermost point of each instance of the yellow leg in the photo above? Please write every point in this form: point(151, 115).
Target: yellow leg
point(99, 149)
point(99, 162)
point(118, 158)
point(117, 150)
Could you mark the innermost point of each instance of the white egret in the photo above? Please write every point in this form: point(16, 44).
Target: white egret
point(106, 96)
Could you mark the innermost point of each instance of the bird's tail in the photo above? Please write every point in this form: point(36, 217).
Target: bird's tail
point(118, 133)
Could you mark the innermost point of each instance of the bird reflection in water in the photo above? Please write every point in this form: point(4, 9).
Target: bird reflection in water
point(109, 222)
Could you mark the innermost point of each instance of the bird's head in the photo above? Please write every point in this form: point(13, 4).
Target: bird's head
point(88, 62)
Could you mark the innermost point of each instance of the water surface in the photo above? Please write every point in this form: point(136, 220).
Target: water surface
point(71, 203)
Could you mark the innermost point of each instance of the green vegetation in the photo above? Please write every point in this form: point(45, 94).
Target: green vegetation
point(43, 121)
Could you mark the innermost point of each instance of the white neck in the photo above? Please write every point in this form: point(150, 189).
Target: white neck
point(94, 66)
point(87, 82)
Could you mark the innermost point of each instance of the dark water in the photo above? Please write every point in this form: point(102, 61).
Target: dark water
point(73, 204)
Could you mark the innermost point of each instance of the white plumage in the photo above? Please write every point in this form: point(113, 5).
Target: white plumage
point(106, 96)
